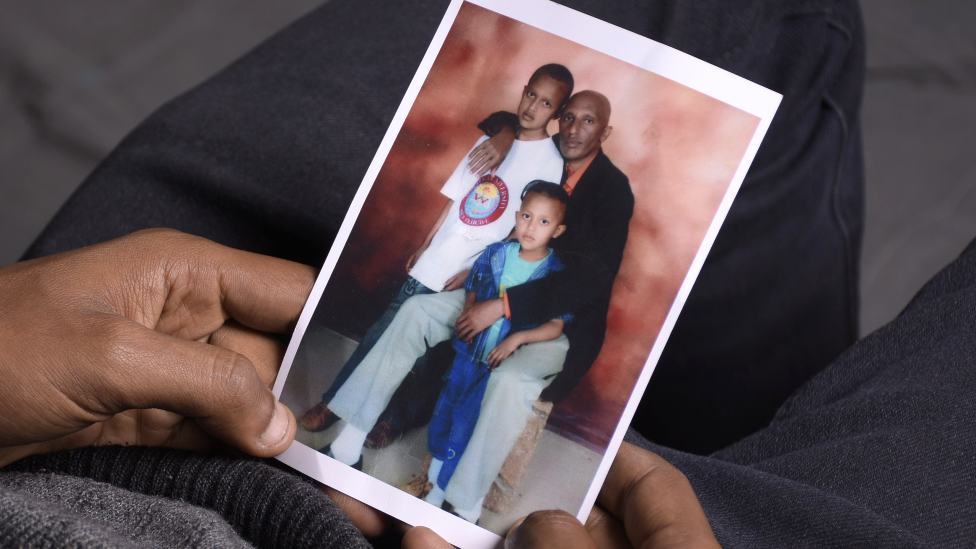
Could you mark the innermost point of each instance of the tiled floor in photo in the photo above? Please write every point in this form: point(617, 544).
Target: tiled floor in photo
point(558, 475)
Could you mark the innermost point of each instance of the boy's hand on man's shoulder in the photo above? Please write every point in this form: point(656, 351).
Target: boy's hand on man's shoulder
point(490, 154)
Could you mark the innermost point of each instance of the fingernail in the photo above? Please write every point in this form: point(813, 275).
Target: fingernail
point(277, 428)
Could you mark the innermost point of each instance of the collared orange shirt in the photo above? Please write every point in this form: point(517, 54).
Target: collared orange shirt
point(573, 176)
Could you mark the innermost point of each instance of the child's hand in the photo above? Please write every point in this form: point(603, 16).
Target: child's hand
point(413, 258)
point(502, 351)
point(487, 156)
point(456, 281)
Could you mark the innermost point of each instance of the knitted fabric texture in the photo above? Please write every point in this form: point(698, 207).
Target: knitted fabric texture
point(266, 506)
point(51, 510)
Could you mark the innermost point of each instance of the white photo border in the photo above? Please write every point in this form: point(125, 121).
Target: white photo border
point(599, 36)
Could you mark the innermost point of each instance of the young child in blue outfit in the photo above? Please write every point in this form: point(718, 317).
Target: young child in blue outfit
point(502, 265)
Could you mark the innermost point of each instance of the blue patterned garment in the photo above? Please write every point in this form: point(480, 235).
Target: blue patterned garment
point(485, 279)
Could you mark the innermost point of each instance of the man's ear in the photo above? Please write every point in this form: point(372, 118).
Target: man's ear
point(606, 133)
point(559, 230)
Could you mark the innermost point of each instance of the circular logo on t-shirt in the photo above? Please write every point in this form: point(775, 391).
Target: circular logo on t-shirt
point(485, 202)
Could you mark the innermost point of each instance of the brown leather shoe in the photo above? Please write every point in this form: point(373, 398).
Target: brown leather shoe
point(319, 418)
point(382, 435)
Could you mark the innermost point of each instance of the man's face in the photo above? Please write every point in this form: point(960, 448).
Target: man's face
point(582, 127)
point(539, 220)
point(540, 102)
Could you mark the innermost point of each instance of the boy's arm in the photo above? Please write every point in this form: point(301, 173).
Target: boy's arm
point(430, 235)
point(500, 128)
point(545, 332)
point(498, 122)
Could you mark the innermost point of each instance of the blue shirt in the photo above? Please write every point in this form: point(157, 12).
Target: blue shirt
point(486, 280)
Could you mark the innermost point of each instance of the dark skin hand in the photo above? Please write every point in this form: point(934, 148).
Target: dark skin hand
point(491, 153)
point(157, 338)
point(645, 502)
point(478, 317)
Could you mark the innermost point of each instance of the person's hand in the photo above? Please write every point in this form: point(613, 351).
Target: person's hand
point(491, 153)
point(96, 343)
point(645, 502)
point(477, 317)
point(456, 281)
point(503, 350)
point(412, 260)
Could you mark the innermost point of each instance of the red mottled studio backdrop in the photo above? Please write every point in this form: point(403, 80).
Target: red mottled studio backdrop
point(679, 147)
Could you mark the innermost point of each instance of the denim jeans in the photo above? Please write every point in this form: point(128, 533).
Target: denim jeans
point(267, 155)
point(455, 415)
point(409, 289)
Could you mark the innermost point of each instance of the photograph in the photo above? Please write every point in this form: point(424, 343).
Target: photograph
point(507, 276)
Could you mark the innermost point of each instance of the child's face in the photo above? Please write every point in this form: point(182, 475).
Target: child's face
point(540, 102)
point(539, 221)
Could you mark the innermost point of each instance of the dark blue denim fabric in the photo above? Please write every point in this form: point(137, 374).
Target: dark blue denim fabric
point(456, 413)
point(267, 155)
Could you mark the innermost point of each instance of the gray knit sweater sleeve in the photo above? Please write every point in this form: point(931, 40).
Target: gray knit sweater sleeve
point(55, 510)
point(116, 496)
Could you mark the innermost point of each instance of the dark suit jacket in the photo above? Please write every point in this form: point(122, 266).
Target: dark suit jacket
point(597, 221)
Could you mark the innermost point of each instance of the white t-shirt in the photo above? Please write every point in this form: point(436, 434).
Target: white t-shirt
point(484, 208)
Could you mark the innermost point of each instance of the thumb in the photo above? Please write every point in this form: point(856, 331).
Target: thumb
point(420, 537)
point(555, 529)
point(219, 388)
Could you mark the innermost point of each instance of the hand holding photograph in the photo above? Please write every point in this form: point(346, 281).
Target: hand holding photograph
point(508, 274)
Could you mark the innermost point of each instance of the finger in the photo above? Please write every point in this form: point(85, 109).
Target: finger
point(259, 291)
point(654, 500)
point(475, 158)
point(477, 150)
point(367, 520)
point(481, 165)
point(265, 352)
point(187, 286)
point(544, 529)
point(461, 326)
point(221, 389)
point(264, 293)
point(606, 530)
point(420, 537)
point(133, 427)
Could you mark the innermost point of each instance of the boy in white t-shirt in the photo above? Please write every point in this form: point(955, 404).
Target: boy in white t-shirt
point(472, 218)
